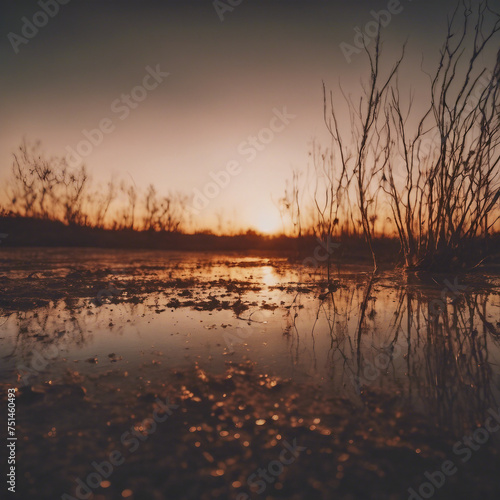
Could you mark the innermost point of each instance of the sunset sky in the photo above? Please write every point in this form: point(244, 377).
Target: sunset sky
point(227, 81)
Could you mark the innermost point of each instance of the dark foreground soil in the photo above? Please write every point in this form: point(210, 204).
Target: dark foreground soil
point(220, 430)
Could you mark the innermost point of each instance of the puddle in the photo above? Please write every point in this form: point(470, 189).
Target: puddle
point(104, 328)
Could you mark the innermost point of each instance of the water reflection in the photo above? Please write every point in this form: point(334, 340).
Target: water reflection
point(446, 366)
point(357, 338)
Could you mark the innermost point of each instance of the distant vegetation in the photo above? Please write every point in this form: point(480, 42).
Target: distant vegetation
point(47, 188)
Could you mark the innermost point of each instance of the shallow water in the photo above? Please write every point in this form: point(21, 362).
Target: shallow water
point(375, 380)
point(157, 312)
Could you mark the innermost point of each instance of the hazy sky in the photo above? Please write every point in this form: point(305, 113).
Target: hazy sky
point(227, 80)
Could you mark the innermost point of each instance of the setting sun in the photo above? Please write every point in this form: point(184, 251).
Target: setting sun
point(268, 222)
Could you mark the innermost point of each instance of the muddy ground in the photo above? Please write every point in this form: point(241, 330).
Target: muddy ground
point(224, 429)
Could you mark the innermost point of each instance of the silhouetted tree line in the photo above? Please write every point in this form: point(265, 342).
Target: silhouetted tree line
point(47, 188)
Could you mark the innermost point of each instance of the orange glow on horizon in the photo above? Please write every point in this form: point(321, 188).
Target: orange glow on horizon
point(268, 222)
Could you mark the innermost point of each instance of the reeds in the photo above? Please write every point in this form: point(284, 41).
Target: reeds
point(47, 188)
